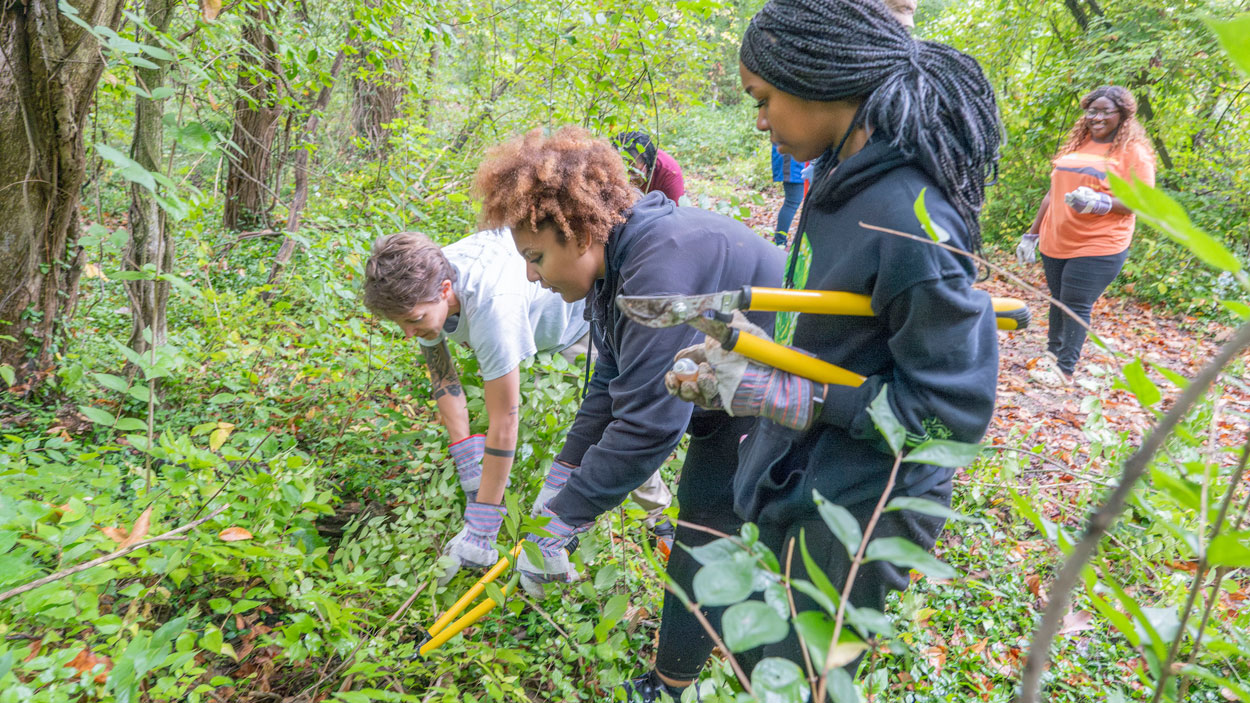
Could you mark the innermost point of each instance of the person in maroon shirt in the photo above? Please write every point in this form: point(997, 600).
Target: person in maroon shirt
point(651, 168)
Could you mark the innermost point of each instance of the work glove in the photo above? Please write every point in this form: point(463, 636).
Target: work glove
point(467, 454)
point(557, 476)
point(474, 545)
point(1026, 250)
point(808, 171)
point(752, 388)
point(555, 566)
point(1088, 201)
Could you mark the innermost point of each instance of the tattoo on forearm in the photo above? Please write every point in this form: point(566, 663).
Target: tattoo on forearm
point(442, 372)
point(505, 453)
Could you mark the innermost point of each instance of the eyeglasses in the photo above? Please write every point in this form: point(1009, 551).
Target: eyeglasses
point(1101, 113)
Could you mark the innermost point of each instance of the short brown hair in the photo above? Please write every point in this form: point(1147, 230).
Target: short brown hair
point(404, 270)
point(569, 180)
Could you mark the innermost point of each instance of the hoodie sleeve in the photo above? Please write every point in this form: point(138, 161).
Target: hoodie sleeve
point(944, 344)
point(646, 422)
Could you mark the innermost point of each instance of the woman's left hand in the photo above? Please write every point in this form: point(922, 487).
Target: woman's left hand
point(1088, 201)
point(752, 388)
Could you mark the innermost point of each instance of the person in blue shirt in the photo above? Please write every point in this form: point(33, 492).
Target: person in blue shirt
point(789, 172)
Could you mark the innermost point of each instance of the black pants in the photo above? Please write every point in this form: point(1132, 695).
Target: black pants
point(1077, 283)
point(705, 497)
point(873, 581)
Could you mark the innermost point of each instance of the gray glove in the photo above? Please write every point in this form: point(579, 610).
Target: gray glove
point(474, 545)
point(1088, 201)
point(1026, 250)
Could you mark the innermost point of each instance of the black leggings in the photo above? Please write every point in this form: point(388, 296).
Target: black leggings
point(705, 497)
point(1077, 283)
point(873, 581)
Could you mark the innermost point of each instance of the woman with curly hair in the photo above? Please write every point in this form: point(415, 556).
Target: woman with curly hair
point(1085, 240)
point(585, 233)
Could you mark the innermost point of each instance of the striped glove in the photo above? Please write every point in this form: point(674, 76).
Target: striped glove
point(555, 566)
point(557, 476)
point(752, 389)
point(474, 545)
point(467, 455)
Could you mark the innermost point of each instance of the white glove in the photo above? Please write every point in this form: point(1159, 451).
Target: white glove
point(1088, 201)
point(808, 171)
point(474, 545)
point(1026, 250)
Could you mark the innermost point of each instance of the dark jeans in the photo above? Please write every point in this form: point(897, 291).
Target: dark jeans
point(873, 581)
point(705, 497)
point(794, 198)
point(1077, 283)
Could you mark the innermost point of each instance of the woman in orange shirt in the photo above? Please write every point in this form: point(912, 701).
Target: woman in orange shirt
point(1084, 239)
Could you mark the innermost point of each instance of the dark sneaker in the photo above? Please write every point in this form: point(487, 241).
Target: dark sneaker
point(650, 689)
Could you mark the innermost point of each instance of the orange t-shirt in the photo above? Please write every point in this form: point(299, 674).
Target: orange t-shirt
point(1066, 233)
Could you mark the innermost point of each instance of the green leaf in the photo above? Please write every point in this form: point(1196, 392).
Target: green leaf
point(1232, 35)
point(928, 507)
point(817, 575)
point(901, 552)
point(841, 523)
point(111, 382)
point(96, 415)
point(1198, 672)
point(944, 452)
point(883, 417)
point(194, 137)
point(1140, 385)
point(6, 373)
point(841, 687)
point(131, 424)
point(1237, 308)
point(776, 680)
point(816, 628)
point(751, 624)
point(935, 231)
point(157, 53)
point(1230, 549)
point(616, 607)
point(6, 663)
point(724, 583)
point(1164, 214)
point(723, 549)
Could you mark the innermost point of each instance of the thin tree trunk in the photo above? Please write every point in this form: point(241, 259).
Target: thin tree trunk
point(249, 192)
point(379, 91)
point(150, 241)
point(427, 99)
point(300, 163)
point(49, 69)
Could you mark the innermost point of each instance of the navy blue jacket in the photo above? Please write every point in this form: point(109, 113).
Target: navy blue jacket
point(628, 424)
point(932, 343)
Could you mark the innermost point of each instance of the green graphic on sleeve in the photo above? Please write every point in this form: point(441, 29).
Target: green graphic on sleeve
point(796, 277)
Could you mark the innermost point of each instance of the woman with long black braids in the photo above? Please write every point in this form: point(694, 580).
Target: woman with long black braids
point(888, 117)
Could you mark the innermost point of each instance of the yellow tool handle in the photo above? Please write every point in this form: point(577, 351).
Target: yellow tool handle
point(819, 302)
point(777, 356)
point(1011, 314)
point(471, 617)
point(477, 590)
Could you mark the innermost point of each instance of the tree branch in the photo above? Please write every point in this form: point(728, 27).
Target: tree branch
point(168, 536)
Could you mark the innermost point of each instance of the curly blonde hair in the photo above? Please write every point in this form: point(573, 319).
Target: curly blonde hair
point(570, 180)
point(1129, 132)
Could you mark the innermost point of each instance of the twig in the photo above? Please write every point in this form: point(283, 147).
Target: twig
point(538, 609)
point(794, 614)
point(999, 269)
point(1100, 522)
point(1165, 672)
point(1048, 459)
point(167, 537)
point(850, 576)
point(697, 612)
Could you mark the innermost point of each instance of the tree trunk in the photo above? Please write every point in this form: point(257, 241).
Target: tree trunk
point(150, 242)
point(300, 197)
point(427, 97)
point(378, 93)
point(249, 191)
point(49, 68)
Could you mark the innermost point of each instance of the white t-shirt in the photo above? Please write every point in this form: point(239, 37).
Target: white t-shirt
point(503, 317)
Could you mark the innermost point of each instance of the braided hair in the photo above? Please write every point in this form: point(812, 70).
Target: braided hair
point(930, 101)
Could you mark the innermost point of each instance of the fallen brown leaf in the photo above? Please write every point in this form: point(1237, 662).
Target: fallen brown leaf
point(234, 534)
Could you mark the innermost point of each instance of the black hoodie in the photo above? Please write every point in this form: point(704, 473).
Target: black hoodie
point(628, 424)
point(932, 343)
